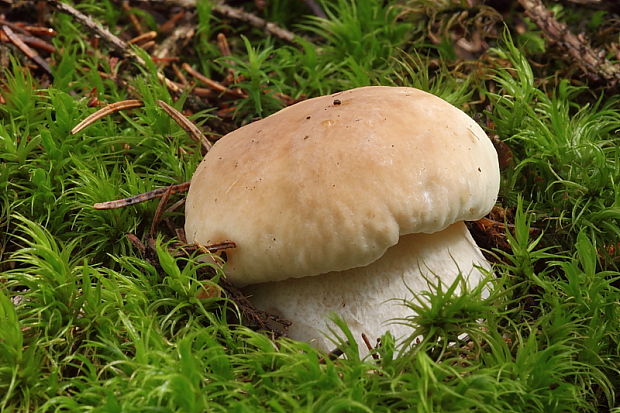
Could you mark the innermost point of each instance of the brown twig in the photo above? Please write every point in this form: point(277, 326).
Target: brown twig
point(211, 248)
point(242, 15)
point(215, 85)
point(177, 40)
point(143, 37)
point(333, 355)
point(40, 31)
point(32, 55)
point(590, 61)
point(119, 45)
point(132, 17)
point(220, 246)
point(369, 346)
point(169, 25)
point(180, 76)
point(253, 317)
point(106, 110)
point(237, 14)
point(160, 210)
point(222, 44)
point(147, 196)
point(188, 126)
point(136, 242)
point(39, 44)
point(316, 8)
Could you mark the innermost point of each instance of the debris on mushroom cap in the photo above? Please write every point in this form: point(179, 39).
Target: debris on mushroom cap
point(323, 186)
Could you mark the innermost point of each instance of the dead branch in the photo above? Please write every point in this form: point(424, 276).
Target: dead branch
point(590, 61)
point(147, 196)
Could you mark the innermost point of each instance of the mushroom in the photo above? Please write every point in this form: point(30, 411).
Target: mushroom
point(343, 203)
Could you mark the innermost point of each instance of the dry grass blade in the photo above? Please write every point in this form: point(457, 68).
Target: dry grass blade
point(191, 129)
point(147, 196)
point(105, 111)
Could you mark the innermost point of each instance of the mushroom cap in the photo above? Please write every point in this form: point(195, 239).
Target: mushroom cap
point(331, 183)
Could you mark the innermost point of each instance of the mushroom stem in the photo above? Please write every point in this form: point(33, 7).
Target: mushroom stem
point(369, 298)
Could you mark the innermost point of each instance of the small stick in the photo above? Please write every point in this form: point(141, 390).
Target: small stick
point(148, 45)
point(175, 206)
point(39, 44)
point(177, 40)
point(118, 44)
point(269, 27)
point(316, 8)
point(132, 17)
point(590, 61)
point(234, 13)
point(191, 129)
point(32, 55)
point(369, 346)
point(165, 59)
point(96, 27)
point(147, 196)
point(217, 86)
point(211, 248)
point(143, 37)
point(172, 22)
point(181, 235)
point(222, 44)
point(136, 242)
point(179, 74)
point(333, 355)
point(226, 245)
point(160, 210)
point(40, 31)
point(105, 111)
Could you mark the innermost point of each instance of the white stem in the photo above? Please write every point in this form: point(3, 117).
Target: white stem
point(364, 297)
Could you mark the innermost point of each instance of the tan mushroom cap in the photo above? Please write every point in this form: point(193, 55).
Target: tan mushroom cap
point(332, 182)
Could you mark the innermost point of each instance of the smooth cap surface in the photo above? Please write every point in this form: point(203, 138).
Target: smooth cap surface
point(330, 183)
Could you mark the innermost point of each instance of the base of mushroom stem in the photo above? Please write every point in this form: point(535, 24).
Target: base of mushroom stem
point(370, 298)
